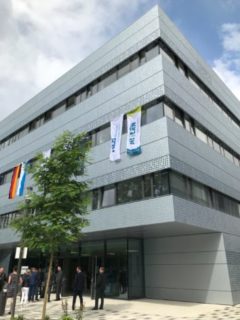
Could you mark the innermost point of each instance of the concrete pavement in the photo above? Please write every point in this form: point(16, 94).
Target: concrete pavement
point(143, 309)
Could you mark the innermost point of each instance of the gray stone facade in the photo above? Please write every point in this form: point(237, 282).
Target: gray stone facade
point(191, 252)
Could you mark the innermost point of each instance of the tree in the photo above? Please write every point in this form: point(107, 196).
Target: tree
point(56, 212)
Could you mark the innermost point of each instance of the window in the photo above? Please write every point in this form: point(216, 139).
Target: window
point(189, 125)
point(123, 69)
point(201, 135)
point(130, 190)
point(216, 146)
point(153, 113)
point(8, 176)
point(59, 110)
point(95, 199)
point(48, 116)
point(168, 112)
point(218, 200)
point(179, 117)
point(228, 155)
point(160, 184)
point(134, 63)
point(152, 52)
point(200, 193)
point(109, 196)
point(142, 57)
point(108, 79)
point(147, 181)
point(179, 185)
point(71, 101)
point(103, 134)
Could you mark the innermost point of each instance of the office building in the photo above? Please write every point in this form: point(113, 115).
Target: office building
point(166, 222)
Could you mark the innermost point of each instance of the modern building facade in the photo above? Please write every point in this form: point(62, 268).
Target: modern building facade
point(165, 223)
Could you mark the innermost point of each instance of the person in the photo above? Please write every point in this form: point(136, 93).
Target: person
point(32, 284)
point(59, 281)
point(25, 286)
point(78, 287)
point(13, 284)
point(3, 279)
point(100, 288)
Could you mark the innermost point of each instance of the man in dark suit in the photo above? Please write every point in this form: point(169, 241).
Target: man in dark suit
point(78, 287)
point(100, 288)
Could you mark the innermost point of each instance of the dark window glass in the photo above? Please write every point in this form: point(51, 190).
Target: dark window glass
point(147, 186)
point(200, 193)
point(154, 113)
point(123, 69)
point(71, 101)
point(152, 52)
point(179, 185)
point(48, 116)
point(160, 184)
point(130, 190)
point(189, 125)
point(94, 87)
point(95, 199)
point(218, 200)
point(103, 134)
point(84, 95)
point(142, 57)
point(179, 117)
point(134, 63)
point(108, 79)
point(109, 196)
point(231, 206)
point(168, 112)
point(59, 110)
point(1, 179)
point(124, 128)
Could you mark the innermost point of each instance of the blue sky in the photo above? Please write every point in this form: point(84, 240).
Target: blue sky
point(41, 40)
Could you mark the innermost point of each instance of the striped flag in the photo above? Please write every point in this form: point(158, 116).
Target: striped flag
point(21, 181)
point(13, 186)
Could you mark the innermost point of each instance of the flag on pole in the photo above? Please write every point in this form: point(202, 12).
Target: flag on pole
point(13, 186)
point(134, 132)
point(116, 135)
point(21, 181)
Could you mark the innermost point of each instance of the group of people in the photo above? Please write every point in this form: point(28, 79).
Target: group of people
point(33, 281)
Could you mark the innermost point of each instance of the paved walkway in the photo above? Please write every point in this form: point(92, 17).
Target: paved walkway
point(143, 309)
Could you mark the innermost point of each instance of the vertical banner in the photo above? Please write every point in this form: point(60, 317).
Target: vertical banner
point(13, 186)
point(134, 132)
point(21, 181)
point(116, 135)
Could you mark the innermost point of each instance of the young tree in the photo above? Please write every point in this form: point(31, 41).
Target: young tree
point(56, 212)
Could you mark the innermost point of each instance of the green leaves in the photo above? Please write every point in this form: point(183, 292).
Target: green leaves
point(56, 211)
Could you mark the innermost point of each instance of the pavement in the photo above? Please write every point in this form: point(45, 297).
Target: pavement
point(143, 309)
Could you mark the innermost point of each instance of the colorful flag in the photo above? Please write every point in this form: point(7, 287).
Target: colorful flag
point(116, 135)
point(134, 132)
point(13, 186)
point(21, 181)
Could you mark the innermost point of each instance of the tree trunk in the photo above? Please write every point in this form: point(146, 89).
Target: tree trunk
point(47, 287)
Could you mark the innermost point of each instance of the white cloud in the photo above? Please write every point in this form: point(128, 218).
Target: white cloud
point(40, 40)
point(228, 65)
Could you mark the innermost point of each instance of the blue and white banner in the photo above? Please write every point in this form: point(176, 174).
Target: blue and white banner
point(21, 181)
point(134, 132)
point(116, 135)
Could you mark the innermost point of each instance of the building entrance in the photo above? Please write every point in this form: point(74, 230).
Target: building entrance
point(123, 262)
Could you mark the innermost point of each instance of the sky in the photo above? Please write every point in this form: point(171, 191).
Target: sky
point(41, 40)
